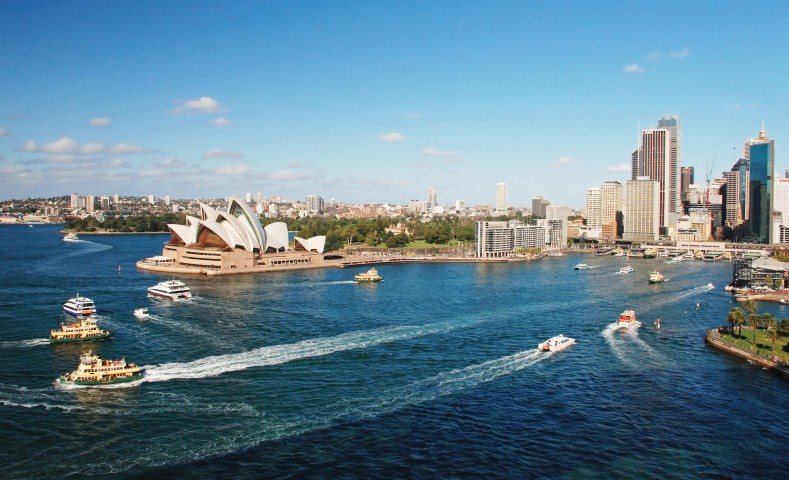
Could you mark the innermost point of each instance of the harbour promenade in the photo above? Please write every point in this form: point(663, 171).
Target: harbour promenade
point(715, 339)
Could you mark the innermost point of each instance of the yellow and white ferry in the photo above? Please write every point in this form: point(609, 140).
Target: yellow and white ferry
point(368, 276)
point(81, 331)
point(93, 371)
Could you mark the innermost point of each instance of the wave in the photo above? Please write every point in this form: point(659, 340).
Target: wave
point(277, 354)
point(33, 342)
point(619, 343)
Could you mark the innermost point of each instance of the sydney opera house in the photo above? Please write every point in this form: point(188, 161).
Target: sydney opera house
point(234, 241)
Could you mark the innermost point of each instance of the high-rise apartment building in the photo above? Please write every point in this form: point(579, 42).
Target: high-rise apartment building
point(732, 201)
point(641, 210)
point(248, 197)
point(760, 153)
point(501, 197)
point(90, 203)
point(151, 199)
point(432, 196)
point(167, 200)
point(314, 203)
point(594, 208)
point(538, 206)
point(75, 200)
point(502, 238)
point(116, 199)
point(105, 203)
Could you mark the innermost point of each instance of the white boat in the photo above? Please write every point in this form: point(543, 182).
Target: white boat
point(656, 277)
point(555, 344)
point(79, 306)
point(71, 237)
point(581, 266)
point(171, 290)
point(626, 269)
point(676, 259)
point(710, 286)
point(627, 318)
point(688, 255)
point(662, 254)
point(142, 313)
point(619, 254)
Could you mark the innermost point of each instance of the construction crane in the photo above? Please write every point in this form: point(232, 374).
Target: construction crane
point(709, 175)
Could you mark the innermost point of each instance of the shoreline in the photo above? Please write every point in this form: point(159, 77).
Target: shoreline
point(115, 233)
point(715, 340)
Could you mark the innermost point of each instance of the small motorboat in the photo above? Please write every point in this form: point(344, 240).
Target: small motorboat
point(710, 286)
point(71, 237)
point(142, 313)
point(555, 344)
point(627, 318)
point(581, 266)
point(626, 269)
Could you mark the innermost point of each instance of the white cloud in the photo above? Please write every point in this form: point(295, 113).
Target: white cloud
point(232, 170)
point(115, 163)
point(60, 158)
point(130, 149)
point(391, 137)
point(28, 146)
point(100, 121)
point(563, 162)
point(632, 68)
point(680, 54)
point(200, 105)
point(91, 148)
point(4, 132)
point(621, 168)
point(64, 145)
point(219, 153)
point(170, 162)
point(221, 121)
point(434, 152)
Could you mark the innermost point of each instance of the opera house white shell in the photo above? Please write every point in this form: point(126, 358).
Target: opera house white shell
point(237, 228)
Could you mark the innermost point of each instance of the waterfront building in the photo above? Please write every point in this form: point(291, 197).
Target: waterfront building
point(610, 209)
point(432, 197)
point(641, 210)
point(594, 207)
point(495, 239)
point(538, 206)
point(760, 154)
point(501, 198)
point(314, 203)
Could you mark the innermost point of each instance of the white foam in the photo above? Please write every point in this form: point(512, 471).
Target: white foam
point(33, 342)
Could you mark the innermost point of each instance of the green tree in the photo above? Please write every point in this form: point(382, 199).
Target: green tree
point(773, 336)
point(736, 318)
point(768, 319)
point(397, 241)
point(754, 321)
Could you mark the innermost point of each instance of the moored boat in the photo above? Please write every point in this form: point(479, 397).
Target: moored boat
point(79, 306)
point(85, 330)
point(656, 277)
point(94, 371)
point(171, 290)
point(142, 313)
point(557, 343)
point(71, 237)
point(368, 276)
point(627, 318)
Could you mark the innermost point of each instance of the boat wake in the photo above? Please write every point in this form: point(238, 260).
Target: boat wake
point(621, 344)
point(33, 342)
point(278, 354)
point(675, 298)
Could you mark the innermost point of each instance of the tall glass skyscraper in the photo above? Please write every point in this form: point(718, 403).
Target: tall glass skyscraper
point(761, 155)
point(671, 123)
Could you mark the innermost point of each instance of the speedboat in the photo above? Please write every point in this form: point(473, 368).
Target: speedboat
point(171, 290)
point(555, 344)
point(71, 237)
point(142, 313)
point(626, 269)
point(581, 266)
point(677, 259)
point(627, 318)
point(710, 286)
point(656, 277)
point(79, 306)
point(368, 276)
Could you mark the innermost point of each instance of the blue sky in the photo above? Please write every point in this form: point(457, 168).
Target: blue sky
point(376, 101)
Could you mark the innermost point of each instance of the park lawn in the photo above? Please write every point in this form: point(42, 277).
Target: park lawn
point(424, 244)
point(746, 342)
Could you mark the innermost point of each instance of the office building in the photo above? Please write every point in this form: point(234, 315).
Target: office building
point(656, 164)
point(671, 123)
point(538, 206)
point(636, 165)
point(781, 208)
point(641, 210)
point(760, 154)
point(594, 208)
point(732, 200)
point(432, 197)
point(685, 183)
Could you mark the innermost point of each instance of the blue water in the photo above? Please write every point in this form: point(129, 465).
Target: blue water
point(432, 373)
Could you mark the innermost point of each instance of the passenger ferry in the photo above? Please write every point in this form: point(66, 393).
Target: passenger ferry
point(555, 344)
point(93, 371)
point(368, 276)
point(171, 290)
point(581, 266)
point(71, 237)
point(79, 306)
point(656, 277)
point(626, 269)
point(627, 318)
point(83, 331)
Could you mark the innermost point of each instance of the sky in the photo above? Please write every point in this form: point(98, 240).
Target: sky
point(376, 101)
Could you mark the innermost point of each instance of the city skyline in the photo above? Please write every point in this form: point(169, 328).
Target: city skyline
point(283, 98)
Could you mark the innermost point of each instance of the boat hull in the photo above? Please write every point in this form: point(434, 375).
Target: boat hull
point(169, 296)
point(79, 313)
point(97, 383)
point(93, 338)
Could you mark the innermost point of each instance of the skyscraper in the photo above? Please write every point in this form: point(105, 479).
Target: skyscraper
point(732, 200)
point(593, 208)
point(656, 164)
point(686, 174)
point(760, 153)
point(432, 197)
point(501, 197)
point(641, 210)
point(610, 204)
point(75, 200)
point(671, 123)
point(637, 167)
point(742, 166)
point(538, 206)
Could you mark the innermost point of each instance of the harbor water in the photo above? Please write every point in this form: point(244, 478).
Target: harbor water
point(432, 373)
